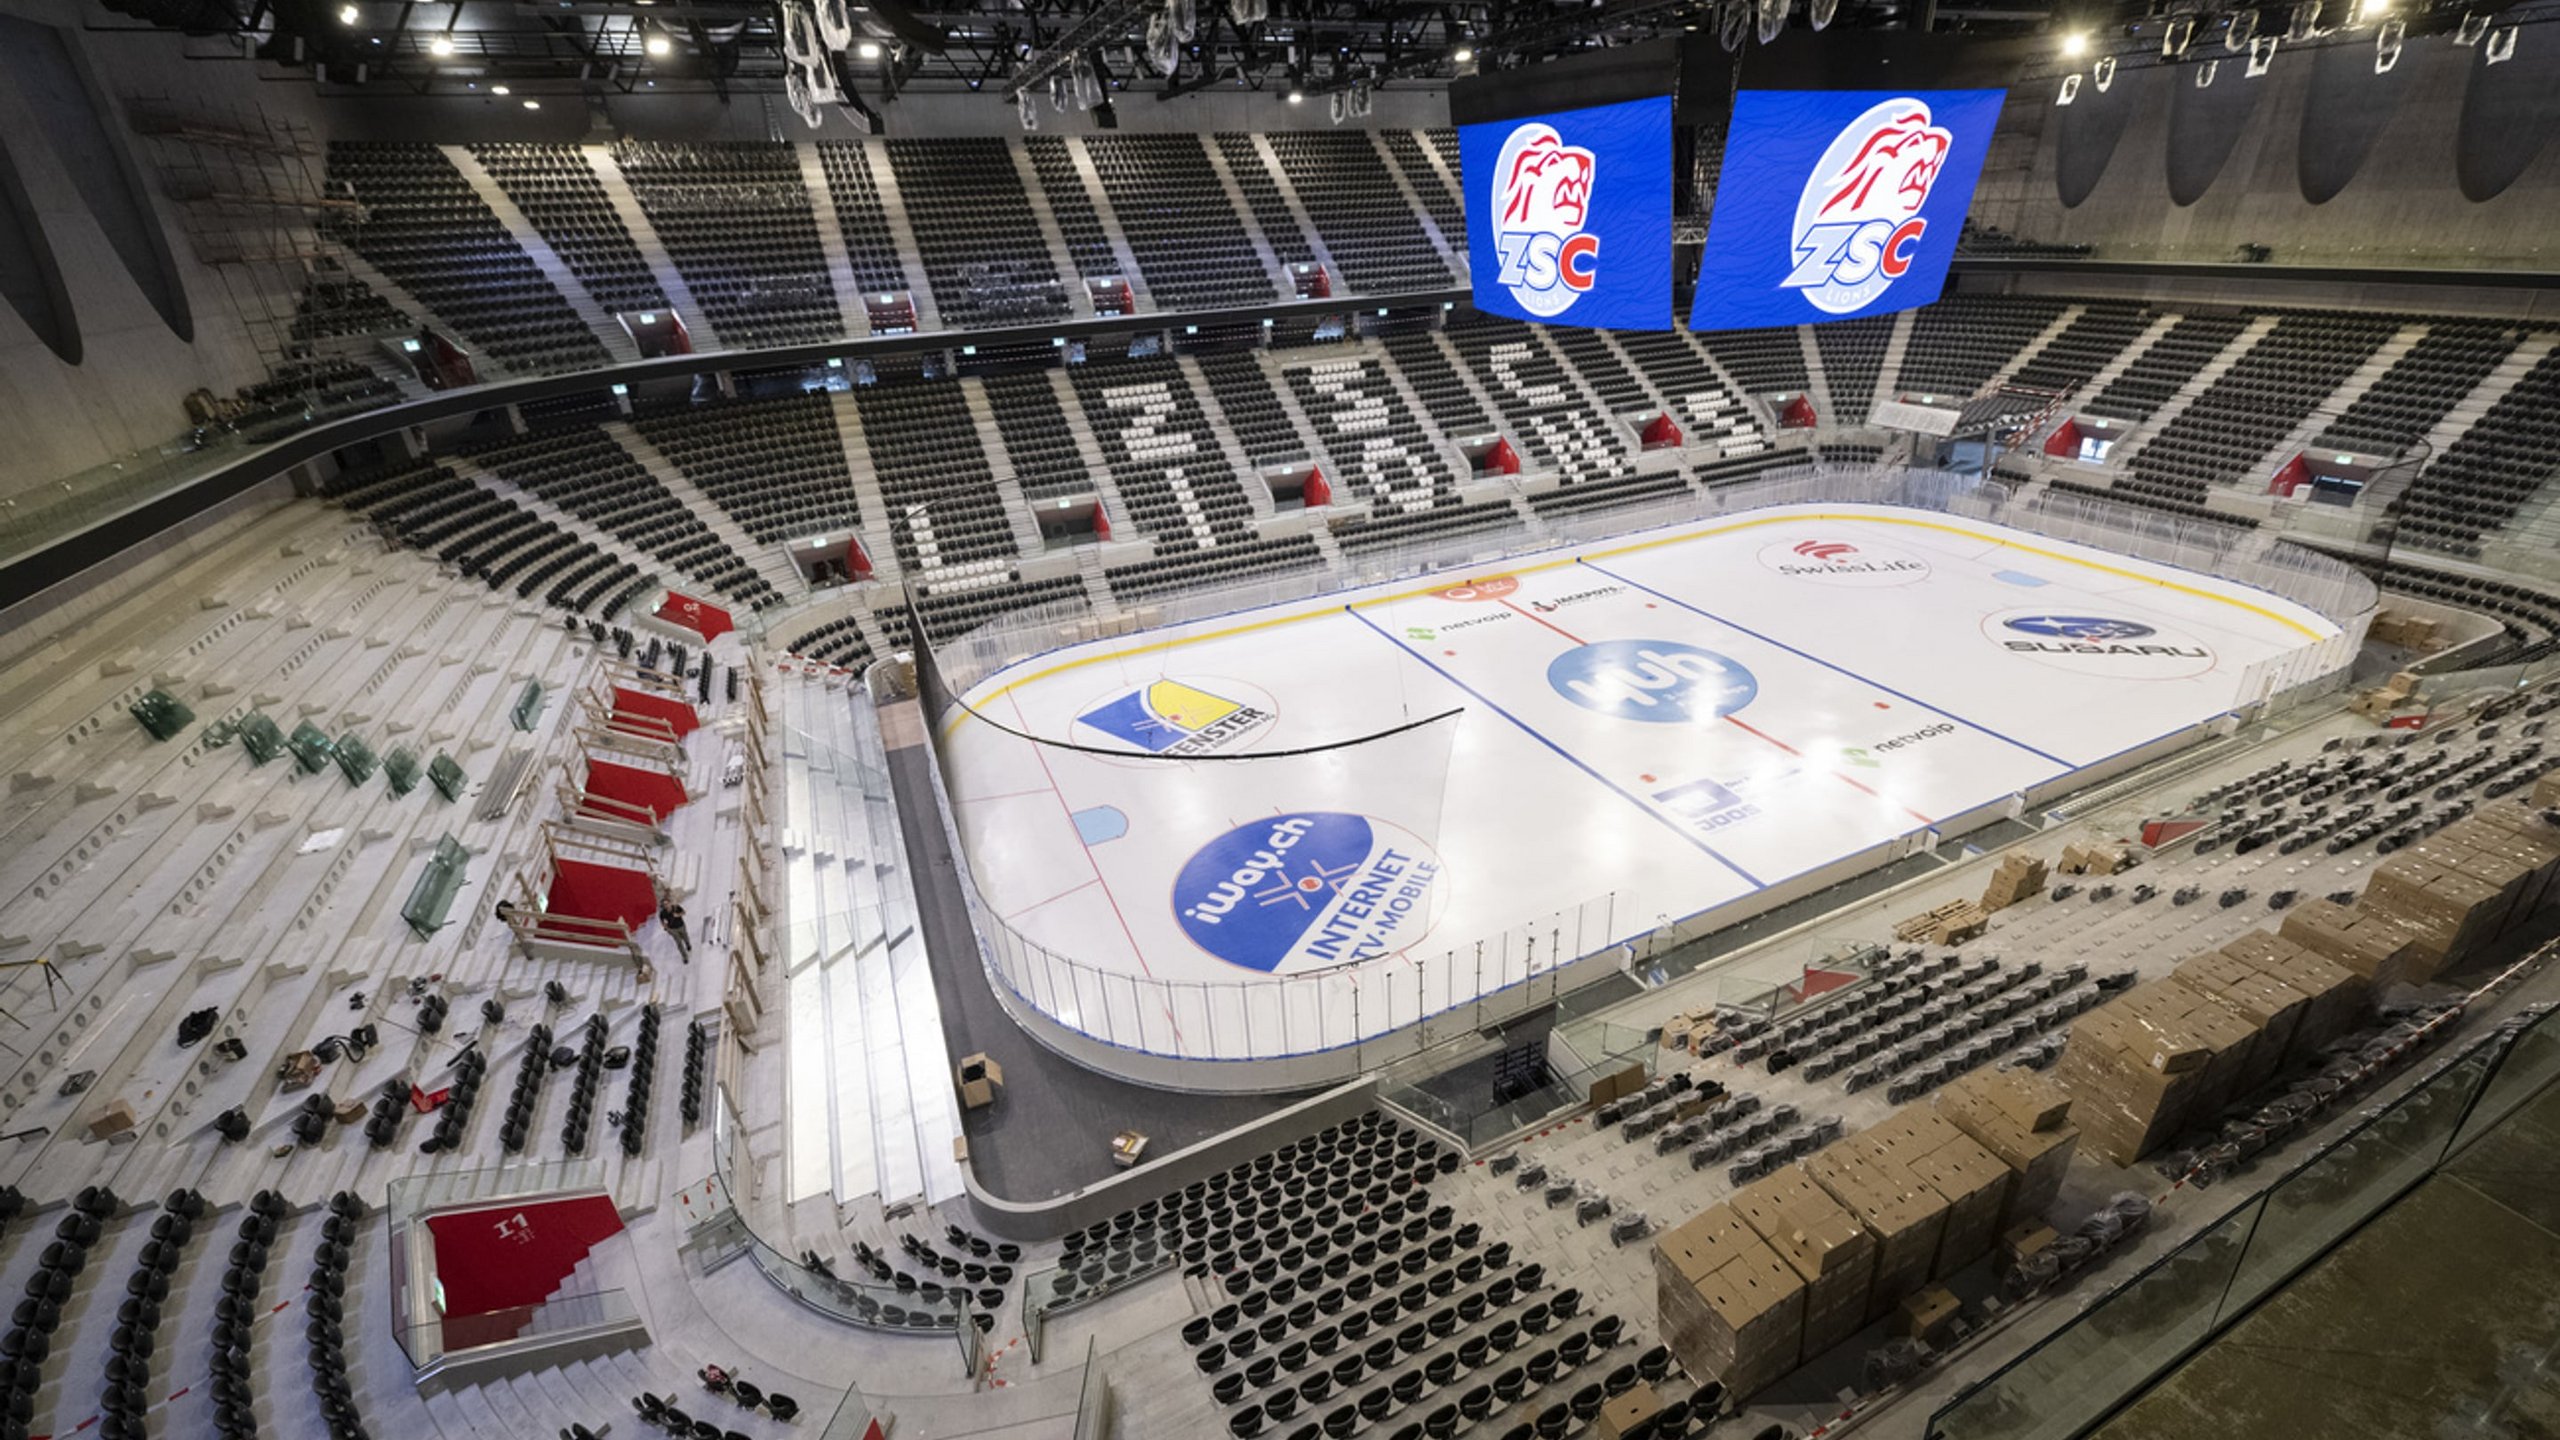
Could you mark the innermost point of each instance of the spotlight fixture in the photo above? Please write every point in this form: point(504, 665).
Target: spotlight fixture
point(1463, 55)
point(2372, 9)
point(869, 50)
point(658, 46)
point(440, 47)
point(347, 14)
point(533, 104)
point(1297, 97)
point(2075, 44)
point(498, 90)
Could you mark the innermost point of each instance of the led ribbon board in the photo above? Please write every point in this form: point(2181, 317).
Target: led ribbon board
point(1833, 204)
point(1569, 215)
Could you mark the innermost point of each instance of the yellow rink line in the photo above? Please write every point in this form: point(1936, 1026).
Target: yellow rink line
point(1451, 581)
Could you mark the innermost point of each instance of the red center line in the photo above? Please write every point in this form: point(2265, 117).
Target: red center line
point(1569, 635)
point(1834, 774)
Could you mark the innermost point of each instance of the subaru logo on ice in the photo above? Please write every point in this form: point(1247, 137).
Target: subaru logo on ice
point(1661, 682)
point(2080, 627)
point(1541, 199)
point(1308, 891)
point(1858, 221)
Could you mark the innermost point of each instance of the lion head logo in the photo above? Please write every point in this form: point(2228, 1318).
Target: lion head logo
point(1541, 200)
point(1859, 214)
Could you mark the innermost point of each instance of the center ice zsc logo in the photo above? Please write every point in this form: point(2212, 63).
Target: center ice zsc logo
point(1858, 221)
point(1660, 682)
point(1541, 201)
point(1308, 891)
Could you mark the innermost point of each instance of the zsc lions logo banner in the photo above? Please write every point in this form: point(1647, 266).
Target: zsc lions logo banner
point(1541, 199)
point(1833, 204)
point(1569, 215)
point(1309, 891)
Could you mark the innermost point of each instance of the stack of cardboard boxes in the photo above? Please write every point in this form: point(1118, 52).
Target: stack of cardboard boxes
point(1728, 1306)
point(1805, 1257)
point(2336, 995)
point(2019, 877)
point(2087, 859)
point(2468, 885)
point(2546, 791)
point(2409, 632)
point(2023, 1119)
point(2393, 699)
point(1950, 924)
point(1822, 1242)
point(2374, 946)
point(2144, 1064)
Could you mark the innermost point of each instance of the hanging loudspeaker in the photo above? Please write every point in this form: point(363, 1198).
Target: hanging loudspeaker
point(799, 36)
point(1819, 12)
point(835, 24)
point(2104, 72)
point(2070, 90)
point(1773, 19)
point(2262, 53)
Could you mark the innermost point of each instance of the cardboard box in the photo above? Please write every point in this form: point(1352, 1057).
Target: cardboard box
point(1906, 1217)
point(1929, 1316)
point(1974, 1183)
point(2373, 946)
point(2150, 1062)
point(2017, 877)
point(1822, 1242)
point(2336, 996)
point(2036, 1158)
point(980, 1079)
point(1742, 1323)
point(1628, 1413)
point(112, 1119)
point(2546, 791)
point(2266, 1003)
point(2024, 1241)
point(1705, 1244)
point(1623, 1082)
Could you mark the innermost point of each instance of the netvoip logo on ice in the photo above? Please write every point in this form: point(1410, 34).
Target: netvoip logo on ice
point(2101, 644)
point(1308, 891)
point(1661, 682)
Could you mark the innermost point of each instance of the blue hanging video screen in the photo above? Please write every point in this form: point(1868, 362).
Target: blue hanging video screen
point(1569, 215)
point(1834, 204)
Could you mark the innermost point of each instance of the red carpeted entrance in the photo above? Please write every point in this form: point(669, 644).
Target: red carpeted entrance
point(699, 616)
point(652, 790)
point(602, 892)
point(678, 715)
point(495, 1265)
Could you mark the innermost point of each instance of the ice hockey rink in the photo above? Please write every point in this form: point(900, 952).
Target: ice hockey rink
point(1568, 753)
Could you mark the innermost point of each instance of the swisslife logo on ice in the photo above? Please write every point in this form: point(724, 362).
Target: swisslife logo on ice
point(2101, 644)
point(1837, 562)
point(1569, 214)
point(1309, 891)
point(1660, 682)
point(1541, 197)
point(1834, 204)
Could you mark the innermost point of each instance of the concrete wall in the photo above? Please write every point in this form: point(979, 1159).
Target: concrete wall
point(2163, 170)
point(124, 393)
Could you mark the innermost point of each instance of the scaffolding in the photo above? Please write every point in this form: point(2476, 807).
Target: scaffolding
point(259, 212)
